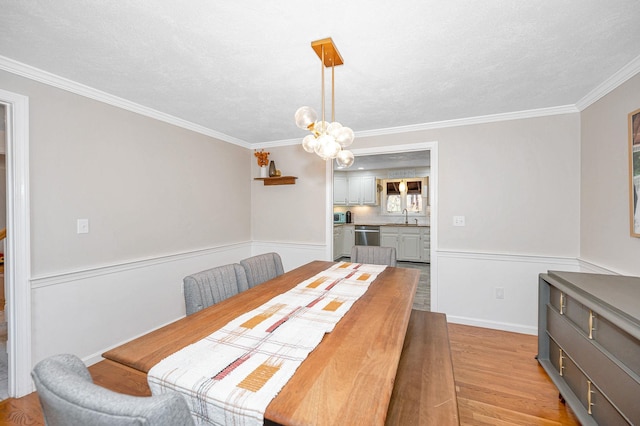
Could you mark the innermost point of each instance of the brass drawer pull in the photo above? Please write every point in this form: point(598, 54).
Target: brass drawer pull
point(589, 393)
point(561, 363)
point(591, 322)
point(562, 303)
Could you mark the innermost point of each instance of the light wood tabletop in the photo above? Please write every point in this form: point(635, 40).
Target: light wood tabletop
point(347, 379)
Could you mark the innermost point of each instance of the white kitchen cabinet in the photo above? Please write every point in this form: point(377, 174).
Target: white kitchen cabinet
point(362, 190)
point(338, 237)
point(412, 243)
point(409, 244)
point(425, 236)
point(389, 237)
point(340, 193)
point(369, 190)
point(348, 239)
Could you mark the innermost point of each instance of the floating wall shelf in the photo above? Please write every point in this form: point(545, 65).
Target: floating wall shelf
point(280, 180)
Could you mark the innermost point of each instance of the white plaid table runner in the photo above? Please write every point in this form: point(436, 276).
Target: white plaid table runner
point(231, 376)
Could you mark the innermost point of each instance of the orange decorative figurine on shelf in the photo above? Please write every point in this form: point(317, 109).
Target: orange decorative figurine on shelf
point(263, 161)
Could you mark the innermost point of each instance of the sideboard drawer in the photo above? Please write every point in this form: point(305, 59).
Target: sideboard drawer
point(569, 307)
point(602, 410)
point(587, 393)
point(619, 343)
point(589, 343)
point(612, 378)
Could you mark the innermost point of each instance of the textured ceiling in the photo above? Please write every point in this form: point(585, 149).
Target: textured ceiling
point(242, 68)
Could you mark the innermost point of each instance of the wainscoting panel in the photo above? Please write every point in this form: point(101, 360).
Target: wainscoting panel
point(88, 312)
point(466, 287)
point(292, 254)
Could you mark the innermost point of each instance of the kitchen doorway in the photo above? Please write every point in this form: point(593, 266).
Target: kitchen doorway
point(402, 159)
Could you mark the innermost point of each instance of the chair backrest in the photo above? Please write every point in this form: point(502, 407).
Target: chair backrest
point(374, 255)
point(262, 267)
point(69, 397)
point(213, 285)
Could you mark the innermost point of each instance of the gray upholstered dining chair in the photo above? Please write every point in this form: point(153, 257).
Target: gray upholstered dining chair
point(69, 397)
point(262, 267)
point(374, 255)
point(214, 285)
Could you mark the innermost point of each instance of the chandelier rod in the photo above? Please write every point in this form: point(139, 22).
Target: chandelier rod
point(322, 73)
point(333, 95)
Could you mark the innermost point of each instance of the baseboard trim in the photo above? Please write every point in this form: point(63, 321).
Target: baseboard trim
point(509, 271)
point(494, 325)
point(97, 356)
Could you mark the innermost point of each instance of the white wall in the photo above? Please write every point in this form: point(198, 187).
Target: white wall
point(605, 232)
point(517, 184)
point(290, 213)
point(148, 188)
point(162, 202)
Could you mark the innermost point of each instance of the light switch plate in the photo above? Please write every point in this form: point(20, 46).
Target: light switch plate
point(83, 226)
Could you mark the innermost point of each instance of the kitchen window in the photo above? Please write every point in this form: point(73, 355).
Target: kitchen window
point(411, 198)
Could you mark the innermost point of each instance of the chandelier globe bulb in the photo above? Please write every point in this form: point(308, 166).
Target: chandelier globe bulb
point(309, 143)
point(306, 117)
point(345, 136)
point(345, 158)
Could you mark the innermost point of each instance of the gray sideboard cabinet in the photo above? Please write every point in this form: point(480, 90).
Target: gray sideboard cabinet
point(589, 344)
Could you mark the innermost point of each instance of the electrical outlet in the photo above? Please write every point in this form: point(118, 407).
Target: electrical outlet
point(499, 293)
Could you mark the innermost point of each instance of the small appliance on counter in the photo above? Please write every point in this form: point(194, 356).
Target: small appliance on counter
point(348, 216)
point(339, 218)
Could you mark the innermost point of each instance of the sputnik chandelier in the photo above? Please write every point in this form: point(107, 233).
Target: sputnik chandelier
point(327, 140)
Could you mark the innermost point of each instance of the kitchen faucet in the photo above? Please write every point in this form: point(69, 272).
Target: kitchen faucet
point(406, 216)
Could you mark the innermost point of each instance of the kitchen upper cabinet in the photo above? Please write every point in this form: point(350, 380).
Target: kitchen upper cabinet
point(362, 190)
point(340, 193)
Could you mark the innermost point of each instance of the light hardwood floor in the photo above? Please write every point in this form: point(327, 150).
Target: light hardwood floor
point(498, 382)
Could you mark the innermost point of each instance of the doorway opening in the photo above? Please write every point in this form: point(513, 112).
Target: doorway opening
point(415, 162)
point(4, 356)
point(17, 243)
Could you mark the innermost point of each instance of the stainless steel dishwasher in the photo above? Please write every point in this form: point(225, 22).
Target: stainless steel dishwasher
point(367, 235)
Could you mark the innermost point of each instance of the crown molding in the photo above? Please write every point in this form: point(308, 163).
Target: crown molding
point(45, 77)
point(517, 115)
point(273, 144)
point(50, 79)
point(607, 86)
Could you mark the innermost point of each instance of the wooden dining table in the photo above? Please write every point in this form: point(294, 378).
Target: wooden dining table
point(347, 379)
